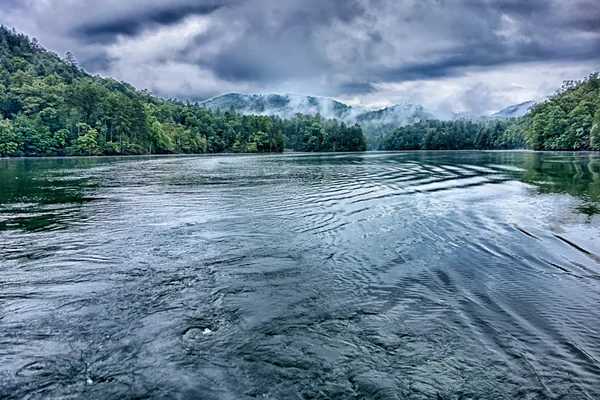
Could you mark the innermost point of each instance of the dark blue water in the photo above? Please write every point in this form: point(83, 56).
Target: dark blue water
point(464, 275)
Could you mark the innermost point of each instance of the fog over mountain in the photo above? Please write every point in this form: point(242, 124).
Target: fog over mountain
point(284, 105)
point(518, 110)
point(372, 121)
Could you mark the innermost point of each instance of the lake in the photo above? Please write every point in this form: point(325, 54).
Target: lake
point(449, 275)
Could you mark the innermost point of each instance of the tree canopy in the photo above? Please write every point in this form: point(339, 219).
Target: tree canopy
point(569, 120)
point(456, 135)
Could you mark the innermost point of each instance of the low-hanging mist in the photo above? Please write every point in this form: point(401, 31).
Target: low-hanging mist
point(373, 122)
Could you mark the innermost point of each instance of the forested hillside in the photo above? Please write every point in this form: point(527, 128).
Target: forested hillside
point(568, 120)
point(49, 106)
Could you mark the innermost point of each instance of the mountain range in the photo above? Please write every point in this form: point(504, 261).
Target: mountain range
point(379, 121)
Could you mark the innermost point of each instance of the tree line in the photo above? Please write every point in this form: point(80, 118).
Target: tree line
point(455, 135)
point(49, 106)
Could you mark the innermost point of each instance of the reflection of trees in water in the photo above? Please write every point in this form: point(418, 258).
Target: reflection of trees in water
point(574, 174)
point(48, 194)
point(45, 194)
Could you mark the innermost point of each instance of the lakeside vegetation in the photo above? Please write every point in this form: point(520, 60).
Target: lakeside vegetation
point(455, 135)
point(568, 120)
point(49, 107)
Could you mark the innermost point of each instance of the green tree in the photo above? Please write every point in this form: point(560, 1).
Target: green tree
point(160, 140)
point(595, 132)
point(87, 144)
point(9, 143)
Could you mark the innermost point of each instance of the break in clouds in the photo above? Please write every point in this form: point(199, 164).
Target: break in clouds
point(462, 55)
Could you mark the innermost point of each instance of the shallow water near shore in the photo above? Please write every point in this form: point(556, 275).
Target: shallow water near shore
point(452, 275)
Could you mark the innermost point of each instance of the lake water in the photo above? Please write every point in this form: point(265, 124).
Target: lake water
point(448, 275)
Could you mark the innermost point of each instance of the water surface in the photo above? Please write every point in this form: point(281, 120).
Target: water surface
point(449, 275)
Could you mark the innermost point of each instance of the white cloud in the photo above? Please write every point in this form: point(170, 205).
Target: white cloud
point(500, 87)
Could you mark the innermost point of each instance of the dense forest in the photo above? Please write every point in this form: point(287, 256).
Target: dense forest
point(568, 120)
point(312, 133)
point(49, 106)
point(456, 135)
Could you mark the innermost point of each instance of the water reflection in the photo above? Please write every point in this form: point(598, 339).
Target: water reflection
point(574, 174)
point(42, 194)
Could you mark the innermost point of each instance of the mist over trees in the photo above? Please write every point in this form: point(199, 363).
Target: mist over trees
point(49, 107)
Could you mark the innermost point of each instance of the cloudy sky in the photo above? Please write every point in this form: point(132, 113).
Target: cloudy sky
point(462, 55)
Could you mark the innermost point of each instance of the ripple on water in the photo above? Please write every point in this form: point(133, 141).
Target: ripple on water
point(384, 275)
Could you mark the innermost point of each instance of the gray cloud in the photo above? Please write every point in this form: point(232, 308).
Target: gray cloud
point(132, 23)
point(343, 48)
point(352, 88)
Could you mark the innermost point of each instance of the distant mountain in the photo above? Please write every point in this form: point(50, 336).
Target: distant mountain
point(400, 114)
point(283, 105)
point(288, 105)
point(515, 111)
point(374, 122)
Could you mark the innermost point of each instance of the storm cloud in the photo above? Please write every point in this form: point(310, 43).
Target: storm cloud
point(470, 55)
point(132, 24)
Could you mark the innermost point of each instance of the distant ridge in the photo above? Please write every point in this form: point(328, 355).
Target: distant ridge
point(283, 105)
point(518, 110)
point(374, 122)
point(288, 105)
